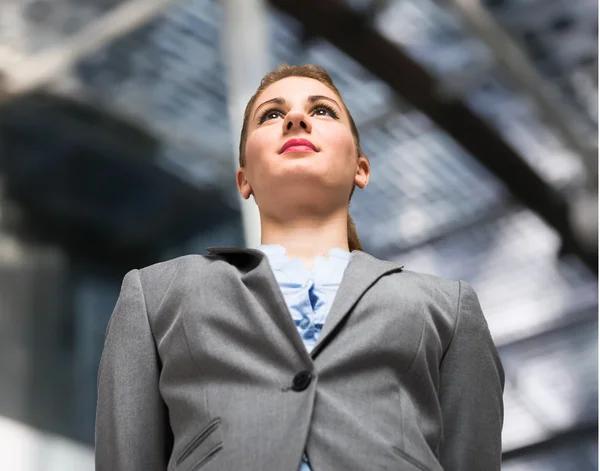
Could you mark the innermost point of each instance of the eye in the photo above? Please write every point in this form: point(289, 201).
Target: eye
point(324, 110)
point(271, 113)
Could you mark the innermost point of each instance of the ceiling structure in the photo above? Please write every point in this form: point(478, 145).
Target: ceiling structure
point(437, 202)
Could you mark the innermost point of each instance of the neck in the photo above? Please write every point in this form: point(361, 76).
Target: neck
point(307, 237)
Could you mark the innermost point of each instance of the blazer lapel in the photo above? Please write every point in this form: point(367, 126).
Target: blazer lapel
point(361, 273)
point(257, 276)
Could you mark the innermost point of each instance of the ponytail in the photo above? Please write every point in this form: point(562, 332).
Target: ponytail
point(353, 240)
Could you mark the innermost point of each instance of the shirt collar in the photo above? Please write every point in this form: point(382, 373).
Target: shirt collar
point(323, 270)
point(278, 252)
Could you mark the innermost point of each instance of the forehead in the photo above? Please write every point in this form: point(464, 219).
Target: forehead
point(295, 89)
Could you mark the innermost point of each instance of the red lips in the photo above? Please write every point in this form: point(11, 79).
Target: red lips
point(302, 145)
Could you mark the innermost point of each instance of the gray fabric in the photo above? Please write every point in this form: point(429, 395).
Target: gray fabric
point(187, 380)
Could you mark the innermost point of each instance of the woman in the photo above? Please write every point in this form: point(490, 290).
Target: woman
point(306, 353)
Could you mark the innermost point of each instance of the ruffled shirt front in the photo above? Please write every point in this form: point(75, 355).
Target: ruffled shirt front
point(308, 294)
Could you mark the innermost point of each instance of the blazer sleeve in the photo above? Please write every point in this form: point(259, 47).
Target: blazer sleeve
point(471, 389)
point(132, 428)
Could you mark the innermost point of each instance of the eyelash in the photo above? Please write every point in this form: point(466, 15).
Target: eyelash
point(323, 106)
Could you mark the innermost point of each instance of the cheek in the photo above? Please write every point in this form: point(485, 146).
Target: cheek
point(258, 153)
point(256, 146)
point(253, 145)
point(343, 144)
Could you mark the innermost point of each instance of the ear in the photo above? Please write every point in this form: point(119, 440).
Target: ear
point(243, 185)
point(363, 172)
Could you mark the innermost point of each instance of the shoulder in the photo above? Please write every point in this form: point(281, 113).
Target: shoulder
point(453, 292)
point(439, 296)
point(426, 285)
point(417, 286)
point(428, 281)
point(446, 304)
point(157, 279)
point(168, 268)
point(456, 300)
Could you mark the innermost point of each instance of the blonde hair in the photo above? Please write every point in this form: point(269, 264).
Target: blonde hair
point(317, 73)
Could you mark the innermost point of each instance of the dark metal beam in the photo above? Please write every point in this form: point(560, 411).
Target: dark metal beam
point(565, 439)
point(569, 326)
point(348, 30)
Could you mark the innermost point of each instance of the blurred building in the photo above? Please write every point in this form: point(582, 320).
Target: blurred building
point(480, 119)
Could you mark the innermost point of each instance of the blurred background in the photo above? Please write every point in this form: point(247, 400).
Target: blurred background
point(119, 121)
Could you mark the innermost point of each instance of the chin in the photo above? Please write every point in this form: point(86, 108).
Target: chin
point(303, 178)
point(304, 188)
point(305, 165)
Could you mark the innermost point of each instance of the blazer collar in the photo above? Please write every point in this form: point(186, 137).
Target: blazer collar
point(362, 272)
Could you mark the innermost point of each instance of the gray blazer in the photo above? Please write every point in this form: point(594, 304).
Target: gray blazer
point(203, 368)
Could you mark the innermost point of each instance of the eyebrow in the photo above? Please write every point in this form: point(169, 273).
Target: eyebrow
point(282, 101)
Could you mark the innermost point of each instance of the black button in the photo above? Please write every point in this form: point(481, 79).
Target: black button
point(301, 381)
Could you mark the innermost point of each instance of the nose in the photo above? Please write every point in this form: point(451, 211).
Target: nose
point(296, 120)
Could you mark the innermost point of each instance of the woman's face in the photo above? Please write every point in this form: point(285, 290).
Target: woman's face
point(300, 146)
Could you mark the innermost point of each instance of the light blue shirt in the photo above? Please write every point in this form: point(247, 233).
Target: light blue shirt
point(308, 294)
